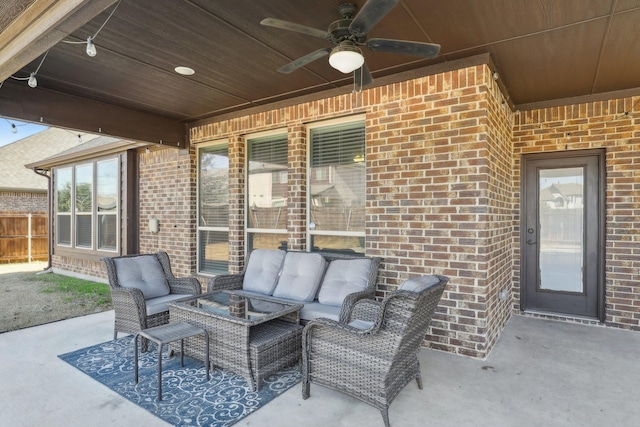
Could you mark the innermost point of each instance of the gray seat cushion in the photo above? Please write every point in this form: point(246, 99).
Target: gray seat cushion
point(142, 272)
point(343, 277)
point(159, 304)
point(262, 271)
point(315, 310)
point(301, 276)
point(419, 284)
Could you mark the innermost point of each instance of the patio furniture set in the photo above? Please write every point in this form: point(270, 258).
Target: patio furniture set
point(282, 307)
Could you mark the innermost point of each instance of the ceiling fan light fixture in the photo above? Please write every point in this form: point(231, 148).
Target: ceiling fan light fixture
point(346, 57)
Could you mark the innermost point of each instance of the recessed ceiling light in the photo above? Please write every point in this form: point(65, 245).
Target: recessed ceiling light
point(185, 71)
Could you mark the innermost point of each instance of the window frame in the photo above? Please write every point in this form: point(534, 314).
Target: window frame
point(310, 231)
point(251, 231)
point(115, 212)
point(73, 214)
point(220, 144)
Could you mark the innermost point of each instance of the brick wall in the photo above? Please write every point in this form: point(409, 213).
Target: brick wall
point(601, 124)
point(167, 188)
point(69, 265)
point(442, 194)
point(438, 190)
point(23, 202)
point(500, 213)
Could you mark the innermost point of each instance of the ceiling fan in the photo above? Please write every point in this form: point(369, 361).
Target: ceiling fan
point(347, 34)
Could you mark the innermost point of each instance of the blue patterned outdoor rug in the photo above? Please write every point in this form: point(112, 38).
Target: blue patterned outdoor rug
point(187, 398)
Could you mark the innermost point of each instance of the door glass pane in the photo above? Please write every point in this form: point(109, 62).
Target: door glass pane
point(561, 231)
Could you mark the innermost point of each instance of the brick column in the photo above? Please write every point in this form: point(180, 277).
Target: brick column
point(297, 191)
point(236, 203)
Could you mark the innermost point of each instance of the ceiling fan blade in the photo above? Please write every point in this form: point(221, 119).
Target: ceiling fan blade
point(301, 62)
point(425, 50)
point(291, 26)
point(370, 14)
point(362, 76)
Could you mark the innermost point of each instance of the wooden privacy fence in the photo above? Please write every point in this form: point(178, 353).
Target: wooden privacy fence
point(23, 237)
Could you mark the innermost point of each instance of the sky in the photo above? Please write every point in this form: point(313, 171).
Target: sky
point(24, 130)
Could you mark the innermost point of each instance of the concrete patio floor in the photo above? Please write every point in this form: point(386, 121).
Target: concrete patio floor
point(540, 373)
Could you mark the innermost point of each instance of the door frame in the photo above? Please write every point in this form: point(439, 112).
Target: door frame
point(601, 234)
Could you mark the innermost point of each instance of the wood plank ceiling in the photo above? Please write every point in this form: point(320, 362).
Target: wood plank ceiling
point(545, 51)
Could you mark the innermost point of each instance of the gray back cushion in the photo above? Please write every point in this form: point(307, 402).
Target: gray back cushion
point(143, 272)
point(343, 277)
point(419, 284)
point(301, 276)
point(262, 271)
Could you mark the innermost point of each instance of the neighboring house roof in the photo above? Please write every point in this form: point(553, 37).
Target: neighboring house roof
point(14, 176)
point(99, 146)
point(567, 189)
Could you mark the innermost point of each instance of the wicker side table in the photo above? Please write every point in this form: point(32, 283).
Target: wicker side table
point(166, 334)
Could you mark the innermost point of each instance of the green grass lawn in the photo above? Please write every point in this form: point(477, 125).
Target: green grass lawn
point(75, 290)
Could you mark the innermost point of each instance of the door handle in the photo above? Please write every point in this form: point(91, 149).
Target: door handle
point(531, 242)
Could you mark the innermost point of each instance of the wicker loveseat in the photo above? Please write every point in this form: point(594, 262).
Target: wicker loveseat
point(373, 354)
point(141, 286)
point(327, 284)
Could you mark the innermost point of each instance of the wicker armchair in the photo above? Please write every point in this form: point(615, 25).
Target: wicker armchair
point(133, 310)
point(374, 354)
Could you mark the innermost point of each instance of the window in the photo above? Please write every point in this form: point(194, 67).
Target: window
point(267, 192)
point(336, 191)
point(107, 202)
point(63, 206)
point(87, 205)
point(213, 210)
point(83, 191)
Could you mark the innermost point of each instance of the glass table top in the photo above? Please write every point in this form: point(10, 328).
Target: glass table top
point(238, 306)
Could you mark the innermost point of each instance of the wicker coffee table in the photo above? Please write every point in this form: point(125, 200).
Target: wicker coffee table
point(252, 336)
